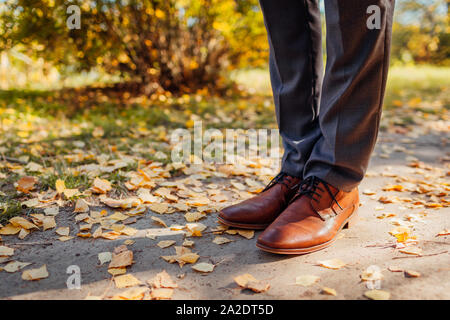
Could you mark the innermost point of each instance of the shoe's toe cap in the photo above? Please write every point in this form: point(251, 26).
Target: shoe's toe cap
point(284, 238)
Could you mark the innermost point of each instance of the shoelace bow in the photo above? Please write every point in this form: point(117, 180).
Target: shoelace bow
point(309, 187)
point(279, 178)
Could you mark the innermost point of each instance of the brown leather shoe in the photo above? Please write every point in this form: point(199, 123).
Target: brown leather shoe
point(313, 219)
point(258, 212)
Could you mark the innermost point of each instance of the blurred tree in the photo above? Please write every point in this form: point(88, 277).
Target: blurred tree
point(421, 32)
point(174, 45)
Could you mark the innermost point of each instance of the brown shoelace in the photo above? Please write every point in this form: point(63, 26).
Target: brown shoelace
point(309, 187)
point(279, 178)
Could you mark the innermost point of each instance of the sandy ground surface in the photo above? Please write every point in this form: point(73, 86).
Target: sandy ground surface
point(367, 243)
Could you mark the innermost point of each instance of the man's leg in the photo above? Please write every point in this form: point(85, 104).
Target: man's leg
point(296, 71)
point(353, 90)
point(296, 68)
point(352, 95)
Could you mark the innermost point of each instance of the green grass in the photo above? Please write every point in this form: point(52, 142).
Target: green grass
point(67, 116)
point(429, 83)
point(117, 180)
point(425, 78)
point(9, 208)
point(71, 181)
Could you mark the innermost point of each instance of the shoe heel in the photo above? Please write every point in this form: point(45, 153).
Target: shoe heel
point(352, 220)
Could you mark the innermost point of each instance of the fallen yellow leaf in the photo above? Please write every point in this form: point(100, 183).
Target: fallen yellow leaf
point(412, 250)
point(329, 291)
point(221, 240)
point(14, 266)
point(117, 271)
point(243, 279)
point(22, 222)
point(377, 294)
point(332, 264)
point(9, 229)
point(26, 184)
point(126, 280)
point(35, 274)
point(160, 208)
point(161, 293)
point(203, 267)
point(101, 185)
point(412, 274)
point(81, 206)
point(163, 280)
point(131, 294)
point(160, 221)
point(165, 243)
point(6, 251)
point(63, 231)
point(121, 259)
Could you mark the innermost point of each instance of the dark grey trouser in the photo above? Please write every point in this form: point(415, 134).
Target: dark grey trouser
point(334, 144)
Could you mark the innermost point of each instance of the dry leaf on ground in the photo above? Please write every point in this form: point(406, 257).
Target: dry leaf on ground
point(51, 211)
point(48, 223)
point(35, 274)
point(161, 293)
point(194, 216)
point(160, 208)
point(377, 294)
point(81, 206)
point(411, 274)
point(445, 232)
point(14, 266)
point(131, 294)
point(23, 223)
point(332, 263)
point(166, 243)
point(247, 281)
point(160, 221)
point(9, 230)
point(412, 250)
point(258, 286)
point(221, 240)
point(372, 273)
point(126, 280)
point(26, 184)
point(104, 257)
point(101, 185)
point(243, 279)
point(395, 269)
point(329, 291)
point(6, 251)
point(162, 280)
point(63, 231)
point(203, 267)
point(121, 259)
point(117, 271)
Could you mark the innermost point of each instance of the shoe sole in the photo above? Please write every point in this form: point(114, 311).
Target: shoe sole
point(349, 222)
point(242, 225)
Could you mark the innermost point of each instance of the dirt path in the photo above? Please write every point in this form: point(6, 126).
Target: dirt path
point(367, 243)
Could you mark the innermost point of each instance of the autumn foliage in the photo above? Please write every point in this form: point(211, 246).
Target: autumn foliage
point(170, 45)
